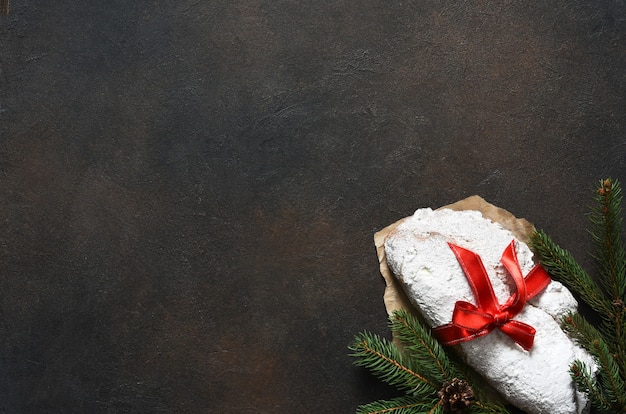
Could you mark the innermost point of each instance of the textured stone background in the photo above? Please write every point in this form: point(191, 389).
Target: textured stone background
point(189, 189)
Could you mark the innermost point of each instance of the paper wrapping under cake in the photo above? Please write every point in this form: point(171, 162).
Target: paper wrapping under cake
point(394, 297)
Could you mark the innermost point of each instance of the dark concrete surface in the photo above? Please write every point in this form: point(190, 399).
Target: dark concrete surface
point(189, 189)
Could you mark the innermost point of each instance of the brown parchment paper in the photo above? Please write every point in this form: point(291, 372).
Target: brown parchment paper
point(394, 296)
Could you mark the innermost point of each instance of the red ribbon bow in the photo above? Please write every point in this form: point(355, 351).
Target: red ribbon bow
point(471, 321)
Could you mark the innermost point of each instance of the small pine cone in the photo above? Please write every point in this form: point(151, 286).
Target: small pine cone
point(456, 396)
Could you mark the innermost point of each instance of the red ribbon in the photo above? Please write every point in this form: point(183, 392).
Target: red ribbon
point(471, 321)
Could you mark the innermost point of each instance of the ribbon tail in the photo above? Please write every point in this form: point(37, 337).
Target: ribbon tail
point(536, 281)
point(510, 262)
point(452, 334)
point(476, 275)
point(520, 332)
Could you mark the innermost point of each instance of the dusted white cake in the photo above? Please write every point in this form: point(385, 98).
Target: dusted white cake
point(538, 380)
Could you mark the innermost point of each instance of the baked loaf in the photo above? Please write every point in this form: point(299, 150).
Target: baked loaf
point(418, 254)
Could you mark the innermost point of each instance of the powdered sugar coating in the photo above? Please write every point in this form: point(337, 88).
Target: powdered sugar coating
point(537, 381)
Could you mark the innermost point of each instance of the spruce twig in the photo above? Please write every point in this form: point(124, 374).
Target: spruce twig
point(400, 405)
point(585, 383)
point(422, 347)
point(606, 297)
point(420, 367)
point(579, 329)
point(606, 234)
point(563, 267)
point(388, 363)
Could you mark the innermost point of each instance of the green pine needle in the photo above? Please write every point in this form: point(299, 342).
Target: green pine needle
point(579, 329)
point(606, 220)
point(488, 408)
point(419, 366)
point(585, 383)
point(386, 361)
point(563, 267)
point(400, 405)
point(422, 347)
point(609, 374)
point(606, 342)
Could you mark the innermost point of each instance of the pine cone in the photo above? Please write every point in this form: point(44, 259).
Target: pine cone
point(455, 396)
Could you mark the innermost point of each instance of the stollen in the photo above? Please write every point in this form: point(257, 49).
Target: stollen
point(534, 376)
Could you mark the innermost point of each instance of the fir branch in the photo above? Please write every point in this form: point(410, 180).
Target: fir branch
point(579, 329)
point(611, 332)
point(437, 409)
point(422, 347)
point(562, 266)
point(487, 408)
point(607, 343)
point(385, 361)
point(585, 383)
point(417, 366)
point(609, 374)
point(610, 257)
point(399, 405)
point(587, 336)
point(620, 353)
point(606, 222)
point(433, 360)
